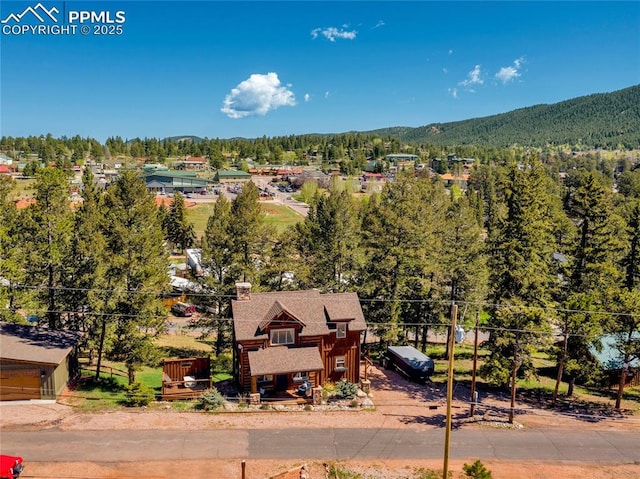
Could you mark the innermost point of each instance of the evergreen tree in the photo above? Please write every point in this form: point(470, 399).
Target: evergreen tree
point(179, 231)
point(217, 261)
point(593, 275)
point(11, 270)
point(137, 269)
point(462, 259)
point(521, 276)
point(626, 327)
point(47, 231)
point(248, 232)
point(329, 241)
point(400, 246)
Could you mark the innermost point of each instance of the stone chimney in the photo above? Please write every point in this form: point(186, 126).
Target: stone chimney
point(243, 291)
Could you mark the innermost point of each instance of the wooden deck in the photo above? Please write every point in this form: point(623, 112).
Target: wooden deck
point(176, 390)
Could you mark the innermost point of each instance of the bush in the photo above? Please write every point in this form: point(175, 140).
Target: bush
point(222, 363)
point(138, 394)
point(211, 400)
point(477, 471)
point(346, 390)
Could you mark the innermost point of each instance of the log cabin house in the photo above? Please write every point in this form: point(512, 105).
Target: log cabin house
point(282, 339)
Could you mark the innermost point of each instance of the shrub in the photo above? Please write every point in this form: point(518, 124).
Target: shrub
point(346, 390)
point(243, 401)
point(328, 389)
point(222, 363)
point(477, 471)
point(211, 400)
point(138, 394)
point(423, 473)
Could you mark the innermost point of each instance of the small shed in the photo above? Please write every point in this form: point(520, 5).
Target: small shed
point(185, 378)
point(35, 362)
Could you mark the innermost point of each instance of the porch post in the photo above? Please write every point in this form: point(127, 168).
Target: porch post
point(254, 384)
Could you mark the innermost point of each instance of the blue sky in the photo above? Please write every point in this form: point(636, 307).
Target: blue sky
point(248, 69)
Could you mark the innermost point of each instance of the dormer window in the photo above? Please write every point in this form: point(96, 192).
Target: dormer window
point(341, 330)
point(282, 336)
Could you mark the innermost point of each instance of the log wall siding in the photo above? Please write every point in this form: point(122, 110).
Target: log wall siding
point(243, 360)
point(329, 347)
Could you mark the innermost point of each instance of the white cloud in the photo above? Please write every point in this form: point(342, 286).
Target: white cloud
point(331, 33)
point(453, 92)
point(444, 70)
point(473, 78)
point(307, 97)
point(326, 94)
point(507, 74)
point(450, 52)
point(256, 96)
point(379, 24)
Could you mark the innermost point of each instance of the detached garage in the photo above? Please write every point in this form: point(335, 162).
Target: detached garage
point(35, 363)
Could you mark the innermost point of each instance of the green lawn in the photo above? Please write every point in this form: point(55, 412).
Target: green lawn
point(278, 215)
point(199, 215)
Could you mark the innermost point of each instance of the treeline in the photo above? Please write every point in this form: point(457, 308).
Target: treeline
point(342, 149)
point(534, 252)
point(350, 152)
point(607, 120)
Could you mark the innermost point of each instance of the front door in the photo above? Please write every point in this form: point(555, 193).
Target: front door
point(282, 382)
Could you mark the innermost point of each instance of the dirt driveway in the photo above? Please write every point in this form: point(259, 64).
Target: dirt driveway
point(398, 404)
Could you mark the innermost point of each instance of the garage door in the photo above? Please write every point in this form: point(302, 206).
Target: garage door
point(19, 384)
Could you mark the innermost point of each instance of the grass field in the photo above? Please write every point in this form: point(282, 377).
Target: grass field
point(278, 215)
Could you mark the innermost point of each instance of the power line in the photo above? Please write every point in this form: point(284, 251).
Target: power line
point(484, 304)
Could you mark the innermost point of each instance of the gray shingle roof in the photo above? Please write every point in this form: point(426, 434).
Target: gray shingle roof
point(283, 360)
point(313, 309)
point(35, 345)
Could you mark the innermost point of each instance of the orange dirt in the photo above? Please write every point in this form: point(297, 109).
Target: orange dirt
point(398, 404)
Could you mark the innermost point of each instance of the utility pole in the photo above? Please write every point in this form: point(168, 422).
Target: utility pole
point(451, 343)
point(475, 366)
point(514, 382)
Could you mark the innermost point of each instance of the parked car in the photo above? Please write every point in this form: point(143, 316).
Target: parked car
point(183, 309)
point(10, 467)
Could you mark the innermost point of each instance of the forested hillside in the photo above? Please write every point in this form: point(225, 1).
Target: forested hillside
point(607, 120)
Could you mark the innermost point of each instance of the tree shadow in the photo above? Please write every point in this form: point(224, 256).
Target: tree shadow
point(181, 352)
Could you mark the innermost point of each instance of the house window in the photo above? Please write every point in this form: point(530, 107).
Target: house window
point(341, 330)
point(267, 378)
point(341, 364)
point(300, 376)
point(282, 336)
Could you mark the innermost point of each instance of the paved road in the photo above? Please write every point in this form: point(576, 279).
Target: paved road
point(324, 444)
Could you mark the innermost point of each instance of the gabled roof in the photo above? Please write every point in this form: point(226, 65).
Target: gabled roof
point(34, 344)
point(311, 309)
point(276, 310)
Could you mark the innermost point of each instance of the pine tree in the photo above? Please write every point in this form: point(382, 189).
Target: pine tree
point(11, 270)
point(179, 231)
point(462, 259)
point(626, 327)
point(400, 247)
point(86, 258)
point(137, 269)
point(329, 241)
point(248, 232)
point(521, 276)
point(47, 231)
point(592, 274)
point(217, 261)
